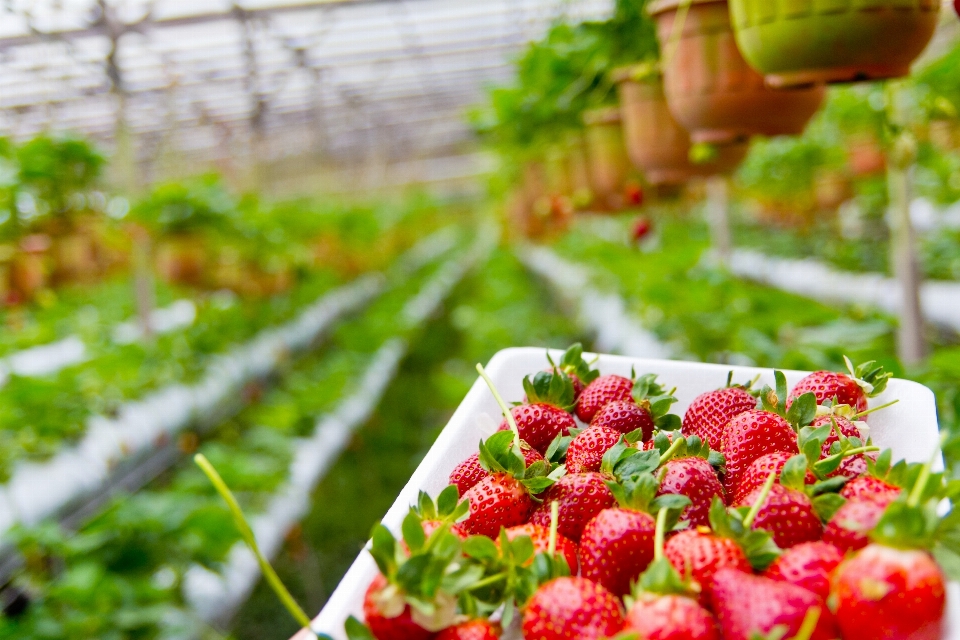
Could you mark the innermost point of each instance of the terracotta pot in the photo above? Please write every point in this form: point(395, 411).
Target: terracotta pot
point(607, 157)
point(658, 146)
point(74, 258)
point(582, 195)
point(182, 260)
point(712, 91)
point(28, 268)
point(798, 42)
point(865, 156)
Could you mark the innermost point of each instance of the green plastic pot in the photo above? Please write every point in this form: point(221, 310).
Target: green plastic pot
point(802, 42)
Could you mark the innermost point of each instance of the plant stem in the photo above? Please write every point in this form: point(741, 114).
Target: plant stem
point(680, 440)
point(659, 534)
point(883, 406)
point(758, 504)
point(809, 624)
point(554, 525)
point(851, 452)
point(917, 492)
point(487, 581)
point(507, 414)
point(247, 534)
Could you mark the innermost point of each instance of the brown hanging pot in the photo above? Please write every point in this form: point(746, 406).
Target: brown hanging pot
point(607, 158)
point(656, 143)
point(710, 88)
point(800, 42)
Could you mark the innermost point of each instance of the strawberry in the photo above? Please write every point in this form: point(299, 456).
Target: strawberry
point(702, 553)
point(643, 391)
point(587, 449)
point(581, 496)
point(664, 605)
point(867, 380)
point(540, 536)
point(625, 416)
point(503, 499)
point(848, 528)
point(710, 412)
point(870, 488)
point(471, 630)
point(615, 548)
point(883, 593)
point(544, 415)
point(758, 471)
point(807, 565)
point(749, 606)
point(750, 435)
point(429, 526)
point(384, 622)
point(568, 608)
point(787, 514)
point(575, 367)
point(469, 472)
point(686, 470)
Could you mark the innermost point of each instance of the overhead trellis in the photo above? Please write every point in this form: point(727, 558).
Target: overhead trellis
point(200, 81)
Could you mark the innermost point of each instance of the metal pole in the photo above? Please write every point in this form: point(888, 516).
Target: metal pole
point(717, 206)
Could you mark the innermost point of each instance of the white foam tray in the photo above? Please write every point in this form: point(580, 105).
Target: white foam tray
point(908, 427)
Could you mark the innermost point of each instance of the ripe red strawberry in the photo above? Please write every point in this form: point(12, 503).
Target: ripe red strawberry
point(616, 547)
point(539, 423)
point(670, 617)
point(499, 500)
point(625, 416)
point(749, 606)
point(870, 488)
point(581, 496)
point(807, 565)
point(575, 367)
point(471, 630)
point(586, 450)
point(694, 477)
point(540, 536)
point(602, 391)
point(758, 472)
point(883, 593)
point(703, 553)
point(852, 466)
point(787, 514)
point(457, 529)
point(393, 627)
point(750, 435)
point(865, 381)
point(469, 472)
point(849, 526)
point(710, 412)
point(572, 608)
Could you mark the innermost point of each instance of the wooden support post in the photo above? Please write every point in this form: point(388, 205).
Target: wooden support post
point(718, 218)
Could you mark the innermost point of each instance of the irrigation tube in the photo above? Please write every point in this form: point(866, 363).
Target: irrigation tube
point(217, 596)
point(940, 300)
point(603, 314)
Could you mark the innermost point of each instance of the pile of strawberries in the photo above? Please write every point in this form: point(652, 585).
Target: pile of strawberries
point(596, 513)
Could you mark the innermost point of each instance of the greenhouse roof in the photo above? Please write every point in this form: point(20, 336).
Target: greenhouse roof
point(210, 79)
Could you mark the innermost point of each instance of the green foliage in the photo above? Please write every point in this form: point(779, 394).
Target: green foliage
point(56, 168)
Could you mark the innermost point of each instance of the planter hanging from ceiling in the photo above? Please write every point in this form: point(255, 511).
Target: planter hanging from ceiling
point(799, 42)
point(658, 146)
point(710, 88)
point(607, 158)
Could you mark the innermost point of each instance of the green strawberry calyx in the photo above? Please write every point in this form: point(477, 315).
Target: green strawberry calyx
point(661, 578)
point(500, 454)
point(735, 524)
point(550, 387)
point(869, 376)
point(656, 399)
point(572, 363)
point(802, 410)
point(689, 447)
point(748, 386)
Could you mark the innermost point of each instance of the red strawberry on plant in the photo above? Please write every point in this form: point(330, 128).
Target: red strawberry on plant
point(644, 391)
point(750, 606)
point(807, 565)
point(581, 496)
point(575, 367)
point(544, 415)
point(787, 514)
point(663, 605)
point(540, 536)
point(568, 608)
point(587, 449)
point(756, 433)
point(471, 630)
point(865, 381)
point(641, 228)
point(687, 469)
point(710, 412)
point(469, 472)
point(625, 416)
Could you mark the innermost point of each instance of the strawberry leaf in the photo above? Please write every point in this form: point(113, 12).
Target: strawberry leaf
point(447, 501)
point(481, 548)
point(794, 473)
point(873, 375)
point(426, 507)
point(383, 548)
point(802, 410)
point(557, 451)
point(830, 485)
point(549, 387)
point(356, 630)
point(827, 504)
point(572, 362)
point(412, 529)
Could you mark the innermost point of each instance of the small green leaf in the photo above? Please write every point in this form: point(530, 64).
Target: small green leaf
point(447, 500)
point(522, 549)
point(413, 532)
point(356, 630)
point(794, 473)
point(827, 504)
point(480, 548)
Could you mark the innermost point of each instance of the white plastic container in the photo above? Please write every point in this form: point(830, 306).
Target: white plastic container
point(908, 427)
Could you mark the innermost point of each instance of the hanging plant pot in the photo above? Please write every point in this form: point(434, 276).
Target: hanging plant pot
point(799, 42)
point(74, 258)
point(182, 260)
point(711, 90)
point(28, 270)
point(656, 143)
point(607, 157)
point(582, 195)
